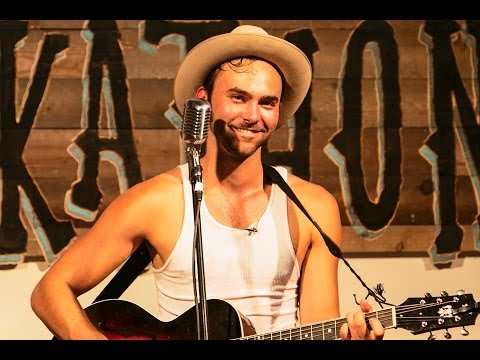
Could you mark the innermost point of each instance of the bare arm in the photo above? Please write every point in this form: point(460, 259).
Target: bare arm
point(319, 297)
point(86, 262)
point(319, 286)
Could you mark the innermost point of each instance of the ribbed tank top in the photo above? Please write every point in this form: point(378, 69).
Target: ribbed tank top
point(255, 272)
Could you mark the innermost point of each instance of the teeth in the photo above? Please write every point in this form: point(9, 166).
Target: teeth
point(245, 130)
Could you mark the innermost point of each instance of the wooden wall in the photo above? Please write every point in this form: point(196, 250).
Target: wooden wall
point(390, 127)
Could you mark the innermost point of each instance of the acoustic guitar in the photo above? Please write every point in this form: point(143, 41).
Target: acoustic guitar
point(123, 320)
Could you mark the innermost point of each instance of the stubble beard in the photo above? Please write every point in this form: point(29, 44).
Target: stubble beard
point(237, 149)
point(230, 146)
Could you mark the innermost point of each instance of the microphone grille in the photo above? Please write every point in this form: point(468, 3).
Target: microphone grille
point(197, 113)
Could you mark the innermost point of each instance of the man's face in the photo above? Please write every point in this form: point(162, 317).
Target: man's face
point(245, 107)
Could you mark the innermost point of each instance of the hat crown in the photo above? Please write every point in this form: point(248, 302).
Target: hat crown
point(249, 29)
point(241, 41)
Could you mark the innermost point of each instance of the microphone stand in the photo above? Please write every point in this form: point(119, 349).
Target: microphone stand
point(195, 171)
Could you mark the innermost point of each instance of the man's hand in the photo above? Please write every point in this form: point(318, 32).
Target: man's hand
point(356, 326)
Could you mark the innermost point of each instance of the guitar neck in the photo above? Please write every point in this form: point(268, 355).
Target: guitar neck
point(324, 330)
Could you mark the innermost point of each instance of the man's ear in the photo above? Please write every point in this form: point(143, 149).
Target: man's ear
point(202, 93)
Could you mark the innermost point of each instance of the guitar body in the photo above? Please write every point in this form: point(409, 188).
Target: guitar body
point(122, 320)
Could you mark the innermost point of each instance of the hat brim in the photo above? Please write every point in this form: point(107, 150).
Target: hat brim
point(207, 55)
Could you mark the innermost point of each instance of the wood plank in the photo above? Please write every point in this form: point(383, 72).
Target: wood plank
point(149, 81)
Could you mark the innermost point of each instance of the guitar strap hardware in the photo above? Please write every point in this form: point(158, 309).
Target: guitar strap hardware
point(141, 258)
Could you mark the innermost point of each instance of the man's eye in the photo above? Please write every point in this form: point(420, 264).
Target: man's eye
point(269, 104)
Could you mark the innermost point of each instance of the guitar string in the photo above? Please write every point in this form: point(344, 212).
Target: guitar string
point(383, 315)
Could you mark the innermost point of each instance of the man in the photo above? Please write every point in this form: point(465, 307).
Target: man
point(261, 253)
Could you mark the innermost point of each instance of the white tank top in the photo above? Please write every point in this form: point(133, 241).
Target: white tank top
point(255, 272)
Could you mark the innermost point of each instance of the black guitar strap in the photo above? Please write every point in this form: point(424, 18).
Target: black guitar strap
point(332, 247)
point(139, 260)
point(134, 266)
point(277, 178)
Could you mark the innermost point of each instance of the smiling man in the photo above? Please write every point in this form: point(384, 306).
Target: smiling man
point(279, 276)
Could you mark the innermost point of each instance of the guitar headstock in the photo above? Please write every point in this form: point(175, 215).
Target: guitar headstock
point(429, 313)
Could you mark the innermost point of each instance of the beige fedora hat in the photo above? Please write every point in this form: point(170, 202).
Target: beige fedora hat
point(246, 40)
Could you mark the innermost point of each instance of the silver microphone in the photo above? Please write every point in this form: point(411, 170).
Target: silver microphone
point(196, 120)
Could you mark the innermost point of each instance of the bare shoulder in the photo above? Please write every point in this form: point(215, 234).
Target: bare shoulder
point(312, 195)
point(161, 185)
point(151, 194)
point(321, 205)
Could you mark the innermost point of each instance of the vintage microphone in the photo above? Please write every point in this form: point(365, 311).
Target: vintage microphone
point(196, 120)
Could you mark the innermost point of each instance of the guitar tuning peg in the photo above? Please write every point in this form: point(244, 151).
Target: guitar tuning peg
point(460, 292)
point(444, 293)
point(447, 335)
point(464, 331)
point(428, 295)
point(432, 337)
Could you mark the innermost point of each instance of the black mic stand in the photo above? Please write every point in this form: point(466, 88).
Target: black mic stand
point(195, 171)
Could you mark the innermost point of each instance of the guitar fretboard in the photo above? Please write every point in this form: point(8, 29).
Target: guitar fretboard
point(326, 330)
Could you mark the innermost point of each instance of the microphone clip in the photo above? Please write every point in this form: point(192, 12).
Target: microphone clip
point(251, 230)
point(196, 171)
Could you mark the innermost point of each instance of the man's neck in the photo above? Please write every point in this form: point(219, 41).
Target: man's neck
point(233, 175)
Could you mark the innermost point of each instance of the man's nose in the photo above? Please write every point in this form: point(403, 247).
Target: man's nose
point(252, 112)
